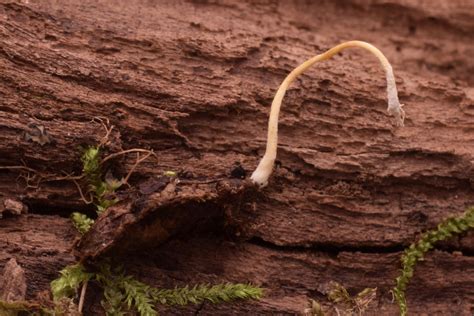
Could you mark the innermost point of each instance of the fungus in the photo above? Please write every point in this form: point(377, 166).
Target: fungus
point(264, 169)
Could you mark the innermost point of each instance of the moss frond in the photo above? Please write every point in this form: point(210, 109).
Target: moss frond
point(416, 251)
point(136, 295)
point(69, 282)
point(91, 164)
point(123, 293)
point(81, 222)
point(205, 292)
point(102, 189)
point(121, 290)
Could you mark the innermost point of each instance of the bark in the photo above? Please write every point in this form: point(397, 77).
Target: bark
point(193, 80)
point(13, 282)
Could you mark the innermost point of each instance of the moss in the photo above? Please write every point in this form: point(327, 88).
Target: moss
point(416, 251)
point(103, 189)
point(124, 293)
point(81, 222)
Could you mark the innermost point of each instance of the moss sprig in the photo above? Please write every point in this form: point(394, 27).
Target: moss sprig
point(81, 222)
point(72, 277)
point(91, 166)
point(416, 251)
point(102, 187)
point(123, 293)
point(141, 297)
point(205, 292)
point(121, 290)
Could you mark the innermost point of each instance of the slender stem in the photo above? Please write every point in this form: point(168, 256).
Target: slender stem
point(83, 198)
point(265, 167)
point(82, 297)
point(19, 167)
point(123, 152)
point(137, 162)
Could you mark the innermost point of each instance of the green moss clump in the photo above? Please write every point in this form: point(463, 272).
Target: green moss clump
point(81, 222)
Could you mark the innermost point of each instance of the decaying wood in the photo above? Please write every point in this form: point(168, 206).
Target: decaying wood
point(193, 81)
point(173, 207)
point(12, 282)
point(12, 207)
point(42, 245)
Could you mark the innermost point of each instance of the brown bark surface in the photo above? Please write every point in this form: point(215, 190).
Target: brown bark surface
point(193, 81)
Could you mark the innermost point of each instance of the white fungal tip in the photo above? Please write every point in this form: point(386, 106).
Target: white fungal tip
point(262, 173)
point(394, 106)
point(398, 113)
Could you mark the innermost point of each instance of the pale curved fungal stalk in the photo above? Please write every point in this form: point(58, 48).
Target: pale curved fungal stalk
point(264, 169)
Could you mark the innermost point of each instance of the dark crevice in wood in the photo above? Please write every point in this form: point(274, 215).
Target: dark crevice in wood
point(63, 210)
point(334, 250)
point(327, 248)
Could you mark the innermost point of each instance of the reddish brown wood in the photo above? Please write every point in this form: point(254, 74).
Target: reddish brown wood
point(193, 81)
